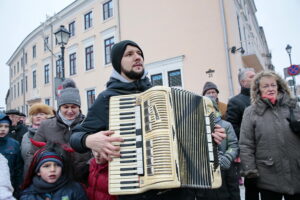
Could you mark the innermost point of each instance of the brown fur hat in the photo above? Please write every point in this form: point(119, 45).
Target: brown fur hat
point(40, 108)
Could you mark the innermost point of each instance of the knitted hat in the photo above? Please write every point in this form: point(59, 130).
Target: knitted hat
point(12, 112)
point(48, 156)
point(40, 108)
point(69, 94)
point(4, 119)
point(209, 85)
point(117, 52)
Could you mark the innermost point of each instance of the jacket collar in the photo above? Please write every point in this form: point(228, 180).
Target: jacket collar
point(245, 91)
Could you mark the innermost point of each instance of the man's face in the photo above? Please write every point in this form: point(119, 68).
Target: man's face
point(249, 76)
point(14, 119)
point(132, 63)
point(212, 93)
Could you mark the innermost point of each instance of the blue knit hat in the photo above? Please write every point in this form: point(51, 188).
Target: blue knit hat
point(4, 119)
point(48, 156)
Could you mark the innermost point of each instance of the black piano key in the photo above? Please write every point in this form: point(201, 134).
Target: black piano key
point(127, 99)
point(127, 133)
point(126, 129)
point(127, 161)
point(129, 187)
point(139, 144)
point(128, 182)
point(127, 145)
point(128, 169)
point(129, 140)
point(127, 124)
point(126, 152)
point(126, 107)
point(128, 174)
point(126, 103)
point(132, 156)
point(131, 117)
point(138, 131)
point(127, 113)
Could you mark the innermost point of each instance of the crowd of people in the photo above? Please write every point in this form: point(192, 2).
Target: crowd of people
point(63, 154)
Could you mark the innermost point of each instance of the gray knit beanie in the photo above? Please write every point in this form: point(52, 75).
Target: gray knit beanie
point(69, 94)
point(209, 85)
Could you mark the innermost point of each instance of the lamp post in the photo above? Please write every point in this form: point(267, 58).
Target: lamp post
point(62, 36)
point(288, 49)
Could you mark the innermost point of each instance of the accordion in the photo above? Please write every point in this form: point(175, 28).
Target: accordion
point(167, 141)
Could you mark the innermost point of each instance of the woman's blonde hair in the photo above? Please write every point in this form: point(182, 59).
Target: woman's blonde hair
point(281, 84)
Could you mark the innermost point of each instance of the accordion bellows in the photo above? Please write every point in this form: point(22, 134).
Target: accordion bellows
point(167, 141)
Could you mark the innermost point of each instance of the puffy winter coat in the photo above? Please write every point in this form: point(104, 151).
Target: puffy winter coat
point(10, 149)
point(98, 182)
point(70, 191)
point(268, 147)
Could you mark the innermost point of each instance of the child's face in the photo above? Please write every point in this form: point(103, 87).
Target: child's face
point(99, 159)
point(4, 128)
point(50, 172)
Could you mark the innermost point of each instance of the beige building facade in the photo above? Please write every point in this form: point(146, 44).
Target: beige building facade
point(185, 44)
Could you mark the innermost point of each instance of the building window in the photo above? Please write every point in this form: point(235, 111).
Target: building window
point(174, 78)
point(26, 84)
point(18, 89)
point(72, 28)
point(157, 79)
point(59, 71)
point(15, 91)
point(72, 63)
point(22, 86)
point(18, 67)
point(34, 51)
point(90, 97)
point(14, 69)
point(89, 60)
point(46, 73)
point(107, 10)
point(34, 79)
point(47, 102)
point(108, 43)
point(25, 58)
point(88, 20)
point(46, 42)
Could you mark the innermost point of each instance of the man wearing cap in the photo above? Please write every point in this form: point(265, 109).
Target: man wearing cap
point(128, 77)
point(211, 90)
point(17, 128)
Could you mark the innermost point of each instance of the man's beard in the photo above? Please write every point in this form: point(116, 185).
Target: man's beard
point(133, 75)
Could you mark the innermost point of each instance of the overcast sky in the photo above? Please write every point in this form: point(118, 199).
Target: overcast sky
point(279, 18)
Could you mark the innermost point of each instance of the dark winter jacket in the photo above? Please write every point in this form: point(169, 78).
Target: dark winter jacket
point(98, 182)
point(98, 114)
point(236, 107)
point(10, 149)
point(268, 147)
point(55, 130)
point(17, 132)
point(26, 148)
point(68, 191)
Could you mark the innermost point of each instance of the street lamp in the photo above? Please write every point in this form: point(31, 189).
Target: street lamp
point(62, 36)
point(288, 49)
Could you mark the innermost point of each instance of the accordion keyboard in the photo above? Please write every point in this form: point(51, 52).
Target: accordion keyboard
point(147, 153)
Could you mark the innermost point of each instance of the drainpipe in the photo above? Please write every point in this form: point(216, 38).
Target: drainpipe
point(23, 81)
point(226, 47)
point(118, 21)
